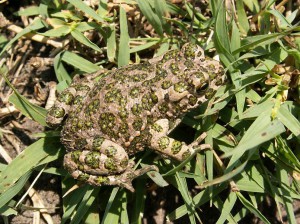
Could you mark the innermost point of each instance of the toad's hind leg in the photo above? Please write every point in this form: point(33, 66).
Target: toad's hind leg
point(103, 162)
point(170, 147)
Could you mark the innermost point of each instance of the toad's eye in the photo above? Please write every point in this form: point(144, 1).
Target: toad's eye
point(200, 89)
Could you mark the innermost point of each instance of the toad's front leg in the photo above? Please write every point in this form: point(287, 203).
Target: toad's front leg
point(103, 163)
point(161, 143)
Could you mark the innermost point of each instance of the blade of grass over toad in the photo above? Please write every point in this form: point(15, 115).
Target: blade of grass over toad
point(86, 9)
point(124, 55)
point(32, 156)
point(79, 62)
point(84, 40)
point(151, 16)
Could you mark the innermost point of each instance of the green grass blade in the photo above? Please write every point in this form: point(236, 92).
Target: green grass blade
point(57, 32)
point(288, 119)
point(85, 205)
point(86, 9)
point(79, 62)
point(28, 11)
point(111, 43)
point(60, 70)
point(226, 208)
point(31, 157)
point(221, 36)
point(35, 25)
point(28, 109)
point(84, 40)
point(242, 17)
point(151, 16)
point(124, 212)
point(71, 201)
point(200, 199)
point(258, 40)
point(14, 190)
point(251, 208)
point(112, 206)
point(262, 130)
point(124, 55)
point(287, 199)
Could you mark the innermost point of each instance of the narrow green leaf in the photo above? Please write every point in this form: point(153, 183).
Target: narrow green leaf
point(284, 23)
point(263, 129)
point(32, 156)
point(183, 189)
point(258, 40)
point(288, 119)
point(227, 207)
point(57, 32)
point(86, 9)
point(13, 190)
point(200, 199)
point(242, 17)
point(61, 73)
point(251, 208)
point(72, 200)
point(287, 199)
point(35, 25)
point(84, 40)
point(124, 212)
point(85, 205)
point(124, 55)
point(28, 11)
point(143, 46)
point(102, 10)
point(111, 214)
point(151, 16)
point(221, 36)
point(111, 43)
point(79, 62)
point(30, 110)
point(85, 26)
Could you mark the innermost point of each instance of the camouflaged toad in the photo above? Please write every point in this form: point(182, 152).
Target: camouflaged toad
point(129, 109)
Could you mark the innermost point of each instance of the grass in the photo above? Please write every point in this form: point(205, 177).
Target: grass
point(253, 127)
